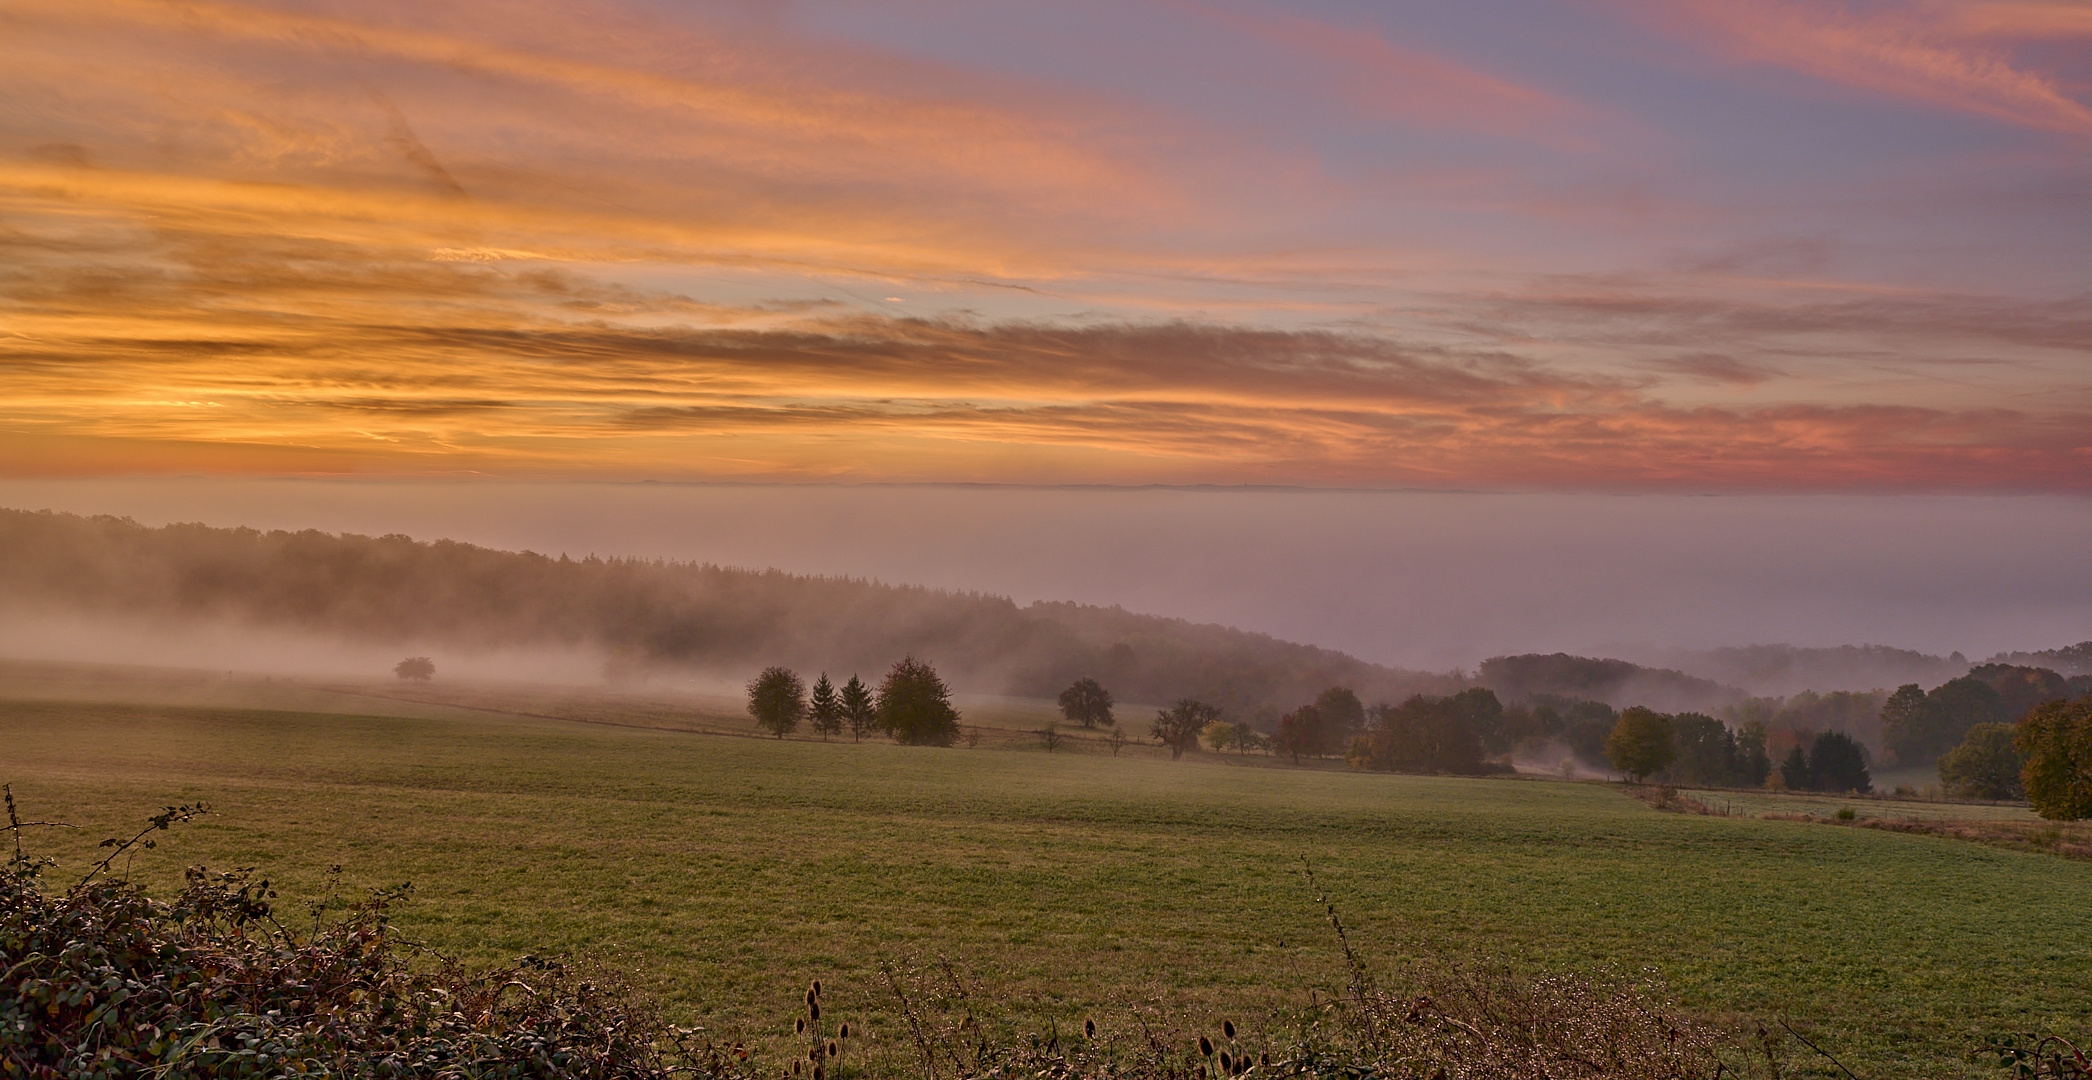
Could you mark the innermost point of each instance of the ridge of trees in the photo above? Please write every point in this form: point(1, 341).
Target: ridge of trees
point(652, 615)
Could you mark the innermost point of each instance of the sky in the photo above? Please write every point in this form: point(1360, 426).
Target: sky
point(1428, 331)
point(1705, 246)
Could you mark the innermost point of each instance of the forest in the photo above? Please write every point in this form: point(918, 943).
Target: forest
point(646, 617)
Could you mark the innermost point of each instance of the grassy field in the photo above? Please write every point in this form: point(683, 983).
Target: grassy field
point(725, 871)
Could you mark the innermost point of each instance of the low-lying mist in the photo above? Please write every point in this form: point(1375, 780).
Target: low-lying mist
point(236, 646)
point(1425, 580)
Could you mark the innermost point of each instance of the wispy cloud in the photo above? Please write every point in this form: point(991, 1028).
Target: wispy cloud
point(1936, 54)
point(1387, 79)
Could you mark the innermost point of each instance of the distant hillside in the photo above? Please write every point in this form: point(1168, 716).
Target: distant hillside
point(2071, 660)
point(1780, 670)
point(1516, 679)
point(645, 616)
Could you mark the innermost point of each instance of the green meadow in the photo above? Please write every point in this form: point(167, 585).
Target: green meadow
point(723, 871)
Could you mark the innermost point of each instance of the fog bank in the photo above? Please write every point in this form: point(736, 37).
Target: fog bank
point(1417, 579)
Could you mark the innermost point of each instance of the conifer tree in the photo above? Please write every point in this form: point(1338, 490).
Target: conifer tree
point(825, 709)
point(858, 710)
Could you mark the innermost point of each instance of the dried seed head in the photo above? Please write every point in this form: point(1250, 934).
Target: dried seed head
point(1205, 1046)
point(813, 1010)
point(817, 1071)
point(814, 1055)
point(1227, 1064)
point(795, 1067)
point(1089, 1029)
point(799, 1026)
point(1227, 1028)
point(1202, 1071)
point(817, 988)
point(844, 1031)
point(833, 1049)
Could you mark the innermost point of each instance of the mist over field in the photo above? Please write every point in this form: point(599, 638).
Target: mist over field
point(1428, 581)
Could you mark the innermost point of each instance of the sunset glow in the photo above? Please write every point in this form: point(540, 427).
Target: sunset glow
point(1725, 246)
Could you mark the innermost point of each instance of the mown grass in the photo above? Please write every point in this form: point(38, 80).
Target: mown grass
point(727, 871)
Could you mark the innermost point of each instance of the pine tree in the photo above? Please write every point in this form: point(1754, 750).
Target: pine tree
point(858, 711)
point(824, 709)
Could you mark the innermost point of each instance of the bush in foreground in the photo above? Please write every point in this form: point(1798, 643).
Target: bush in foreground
point(103, 981)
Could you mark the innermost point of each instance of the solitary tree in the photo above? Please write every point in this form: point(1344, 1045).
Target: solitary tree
point(1640, 743)
point(419, 668)
point(1179, 725)
point(858, 711)
point(1087, 703)
point(824, 708)
point(1984, 766)
point(777, 699)
point(2056, 741)
point(915, 705)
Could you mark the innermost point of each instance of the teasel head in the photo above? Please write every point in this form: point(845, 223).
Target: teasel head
point(799, 1026)
point(1227, 1028)
point(1205, 1046)
point(844, 1031)
point(1089, 1029)
point(813, 1010)
point(835, 1049)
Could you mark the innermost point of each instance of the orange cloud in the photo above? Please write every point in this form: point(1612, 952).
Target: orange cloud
point(1904, 51)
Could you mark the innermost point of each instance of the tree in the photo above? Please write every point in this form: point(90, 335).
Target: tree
point(1838, 763)
point(915, 706)
point(1422, 735)
point(1795, 774)
point(1087, 703)
point(1299, 732)
point(777, 699)
point(419, 668)
point(1984, 766)
point(2056, 741)
point(858, 711)
point(1341, 718)
point(1706, 750)
point(1640, 742)
point(1922, 732)
point(825, 709)
point(1221, 735)
point(1753, 760)
point(1179, 725)
point(1903, 722)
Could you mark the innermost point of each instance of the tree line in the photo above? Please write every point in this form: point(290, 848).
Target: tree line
point(646, 615)
point(912, 705)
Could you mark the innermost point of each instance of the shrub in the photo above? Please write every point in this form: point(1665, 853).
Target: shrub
point(104, 981)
